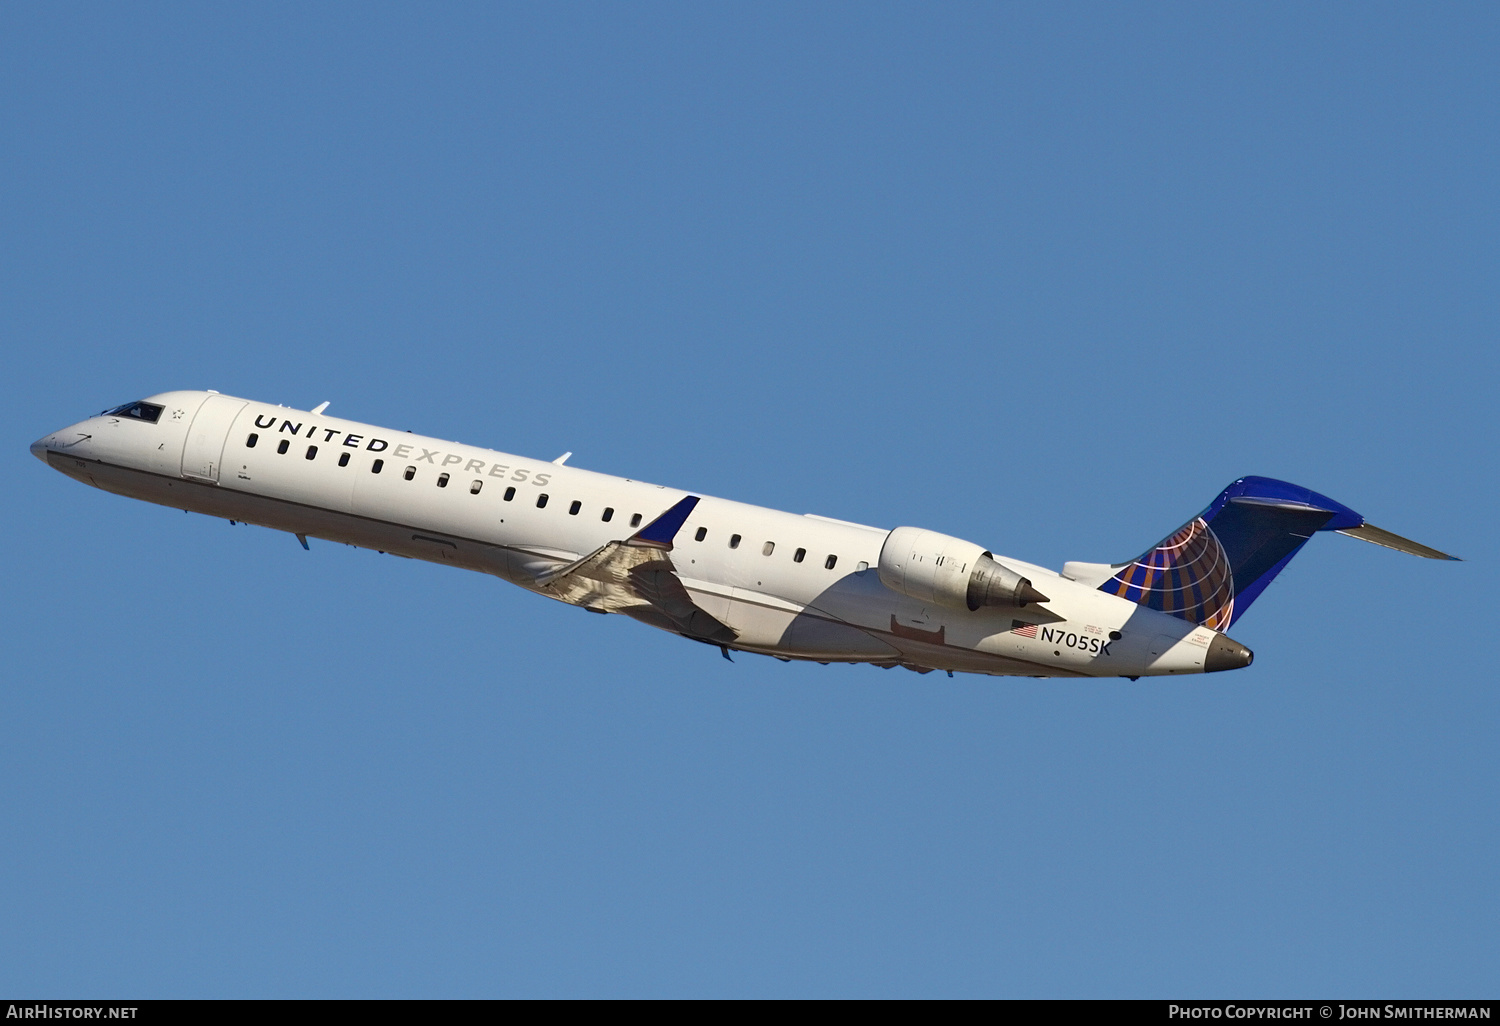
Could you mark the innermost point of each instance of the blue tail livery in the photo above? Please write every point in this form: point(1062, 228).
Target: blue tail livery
point(1212, 568)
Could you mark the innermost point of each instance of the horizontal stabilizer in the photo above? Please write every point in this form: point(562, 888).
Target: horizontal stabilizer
point(1378, 536)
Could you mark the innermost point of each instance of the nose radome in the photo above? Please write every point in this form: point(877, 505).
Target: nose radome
point(1224, 654)
point(40, 446)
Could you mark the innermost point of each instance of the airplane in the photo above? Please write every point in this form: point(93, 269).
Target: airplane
point(740, 577)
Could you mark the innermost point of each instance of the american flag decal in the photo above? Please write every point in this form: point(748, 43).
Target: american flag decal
point(1025, 630)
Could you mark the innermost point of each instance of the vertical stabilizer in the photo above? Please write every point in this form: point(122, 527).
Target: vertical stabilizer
point(1209, 570)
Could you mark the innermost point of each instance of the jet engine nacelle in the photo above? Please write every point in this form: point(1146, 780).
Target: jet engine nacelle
point(950, 571)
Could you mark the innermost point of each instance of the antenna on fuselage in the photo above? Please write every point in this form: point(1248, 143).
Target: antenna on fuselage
point(319, 408)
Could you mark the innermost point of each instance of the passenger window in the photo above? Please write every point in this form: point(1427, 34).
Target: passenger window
point(541, 501)
point(635, 520)
point(411, 472)
point(474, 488)
point(376, 466)
point(510, 493)
point(250, 442)
point(343, 459)
point(442, 480)
point(700, 534)
point(609, 514)
point(734, 541)
point(768, 548)
point(312, 450)
point(282, 448)
point(828, 563)
point(573, 509)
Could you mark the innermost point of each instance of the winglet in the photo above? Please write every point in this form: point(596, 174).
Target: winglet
point(659, 533)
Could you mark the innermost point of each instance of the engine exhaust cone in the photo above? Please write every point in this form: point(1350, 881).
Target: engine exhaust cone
point(1027, 593)
point(993, 584)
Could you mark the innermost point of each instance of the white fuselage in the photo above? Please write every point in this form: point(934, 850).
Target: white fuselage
point(791, 586)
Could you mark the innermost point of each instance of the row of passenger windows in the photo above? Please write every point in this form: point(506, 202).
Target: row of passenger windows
point(769, 547)
point(541, 502)
point(442, 480)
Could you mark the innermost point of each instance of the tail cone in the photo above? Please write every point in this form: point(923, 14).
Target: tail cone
point(1224, 654)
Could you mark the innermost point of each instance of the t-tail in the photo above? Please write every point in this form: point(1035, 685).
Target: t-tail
point(1212, 568)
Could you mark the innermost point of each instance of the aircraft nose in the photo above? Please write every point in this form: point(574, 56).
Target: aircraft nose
point(41, 445)
point(1224, 654)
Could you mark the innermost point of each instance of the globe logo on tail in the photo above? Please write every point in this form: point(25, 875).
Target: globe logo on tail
point(1187, 575)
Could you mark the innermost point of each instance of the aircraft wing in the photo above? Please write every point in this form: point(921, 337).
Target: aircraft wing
point(636, 577)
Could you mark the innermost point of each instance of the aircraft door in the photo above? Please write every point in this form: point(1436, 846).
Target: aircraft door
point(203, 451)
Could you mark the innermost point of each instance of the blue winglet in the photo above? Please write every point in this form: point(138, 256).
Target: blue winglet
point(660, 532)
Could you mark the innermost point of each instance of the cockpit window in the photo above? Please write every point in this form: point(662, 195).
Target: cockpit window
point(149, 412)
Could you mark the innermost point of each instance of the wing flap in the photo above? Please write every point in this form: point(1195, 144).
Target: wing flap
point(658, 583)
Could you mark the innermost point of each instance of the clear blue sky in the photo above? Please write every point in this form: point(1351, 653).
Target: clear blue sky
point(1043, 276)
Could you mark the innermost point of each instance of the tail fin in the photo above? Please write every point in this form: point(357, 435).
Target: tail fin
point(1209, 570)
